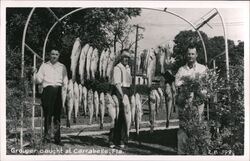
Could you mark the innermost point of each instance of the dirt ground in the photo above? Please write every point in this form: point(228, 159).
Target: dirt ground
point(83, 138)
point(160, 142)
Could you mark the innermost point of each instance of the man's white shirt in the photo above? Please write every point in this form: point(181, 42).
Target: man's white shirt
point(51, 74)
point(122, 75)
point(196, 72)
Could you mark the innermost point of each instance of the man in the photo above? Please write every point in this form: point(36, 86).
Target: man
point(188, 73)
point(122, 80)
point(52, 76)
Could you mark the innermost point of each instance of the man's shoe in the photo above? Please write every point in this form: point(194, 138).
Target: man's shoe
point(112, 146)
point(122, 146)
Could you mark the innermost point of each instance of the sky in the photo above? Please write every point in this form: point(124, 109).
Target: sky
point(161, 27)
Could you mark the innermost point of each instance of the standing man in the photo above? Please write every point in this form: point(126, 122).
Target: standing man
point(52, 76)
point(122, 80)
point(188, 73)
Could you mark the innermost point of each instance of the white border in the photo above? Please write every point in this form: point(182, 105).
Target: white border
point(150, 4)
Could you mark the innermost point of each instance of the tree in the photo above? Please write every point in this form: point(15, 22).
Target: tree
point(89, 24)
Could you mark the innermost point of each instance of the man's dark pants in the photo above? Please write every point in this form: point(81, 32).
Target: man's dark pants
point(118, 135)
point(52, 105)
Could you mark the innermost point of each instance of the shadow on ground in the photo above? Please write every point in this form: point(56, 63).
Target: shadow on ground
point(160, 142)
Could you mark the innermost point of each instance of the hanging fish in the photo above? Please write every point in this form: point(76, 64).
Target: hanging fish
point(82, 62)
point(132, 100)
point(151, 66)
point(88, 63)
point(76, 100)
point(70, 101)
point(94, 63)
point(96, 104)
point(116, 106)
point(102, 109)
point(75, 54)
point(105, 63)
point(158, 100)
point(110, 66)
point(161, 95)
point(80, 97)
point(101, 64)
point(110, 105)
point(64, 93)
point(90, 105)
point(152, 107)
point(161, 57)
point(127, 111)
point(138, 112)
point(138, 61)
point(84, 100)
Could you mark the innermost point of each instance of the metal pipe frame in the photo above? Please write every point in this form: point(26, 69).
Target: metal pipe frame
point(226, 44)
point(165, 11)
point(22, 71)
point(190, 23)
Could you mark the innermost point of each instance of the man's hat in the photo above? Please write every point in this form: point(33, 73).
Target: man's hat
point(125, 53)
point(54, 51)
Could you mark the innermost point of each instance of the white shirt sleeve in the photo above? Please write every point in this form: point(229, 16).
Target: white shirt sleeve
point(178, 78)
point(65, 76)
point(117, 75)
point(40, 74)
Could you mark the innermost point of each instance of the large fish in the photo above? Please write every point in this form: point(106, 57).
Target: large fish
point(82, 62)
point(110, 66)
point(152, 107)
point(161, 95)
point(105, 63)
point(88, 63)
point(138, 61)
point(158, 100)
point(75, 54)
point(96, 104)
point(132, 100)
point(169, 50)
point(80, 97)
point(64, 93)
point(76, 100)
point(138, 112)
point(90, 105)
point(110, 105)
point(70, 101)
point(102, 109)
point(101, 63)
point(145, 59)
point(94, 63)
point(127, 111)
point(151, 66)
point(161, 56)
point(116, 101)
point(84, 99)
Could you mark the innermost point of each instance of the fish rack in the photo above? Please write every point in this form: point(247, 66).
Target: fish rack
point(58, 20)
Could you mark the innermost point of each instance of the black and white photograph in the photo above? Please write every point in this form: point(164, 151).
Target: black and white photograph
point(116, 80)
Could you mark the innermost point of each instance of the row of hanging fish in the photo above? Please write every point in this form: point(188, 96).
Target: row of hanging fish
point(89, 62)
point(94, 104)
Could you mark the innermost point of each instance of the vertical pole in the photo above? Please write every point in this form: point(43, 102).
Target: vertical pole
point(226, 45)
point(22, 74)
point(34, 94)
point(115, 43)
point(136, 39)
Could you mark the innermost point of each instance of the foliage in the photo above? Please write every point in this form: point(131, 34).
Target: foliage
point(228, 118)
